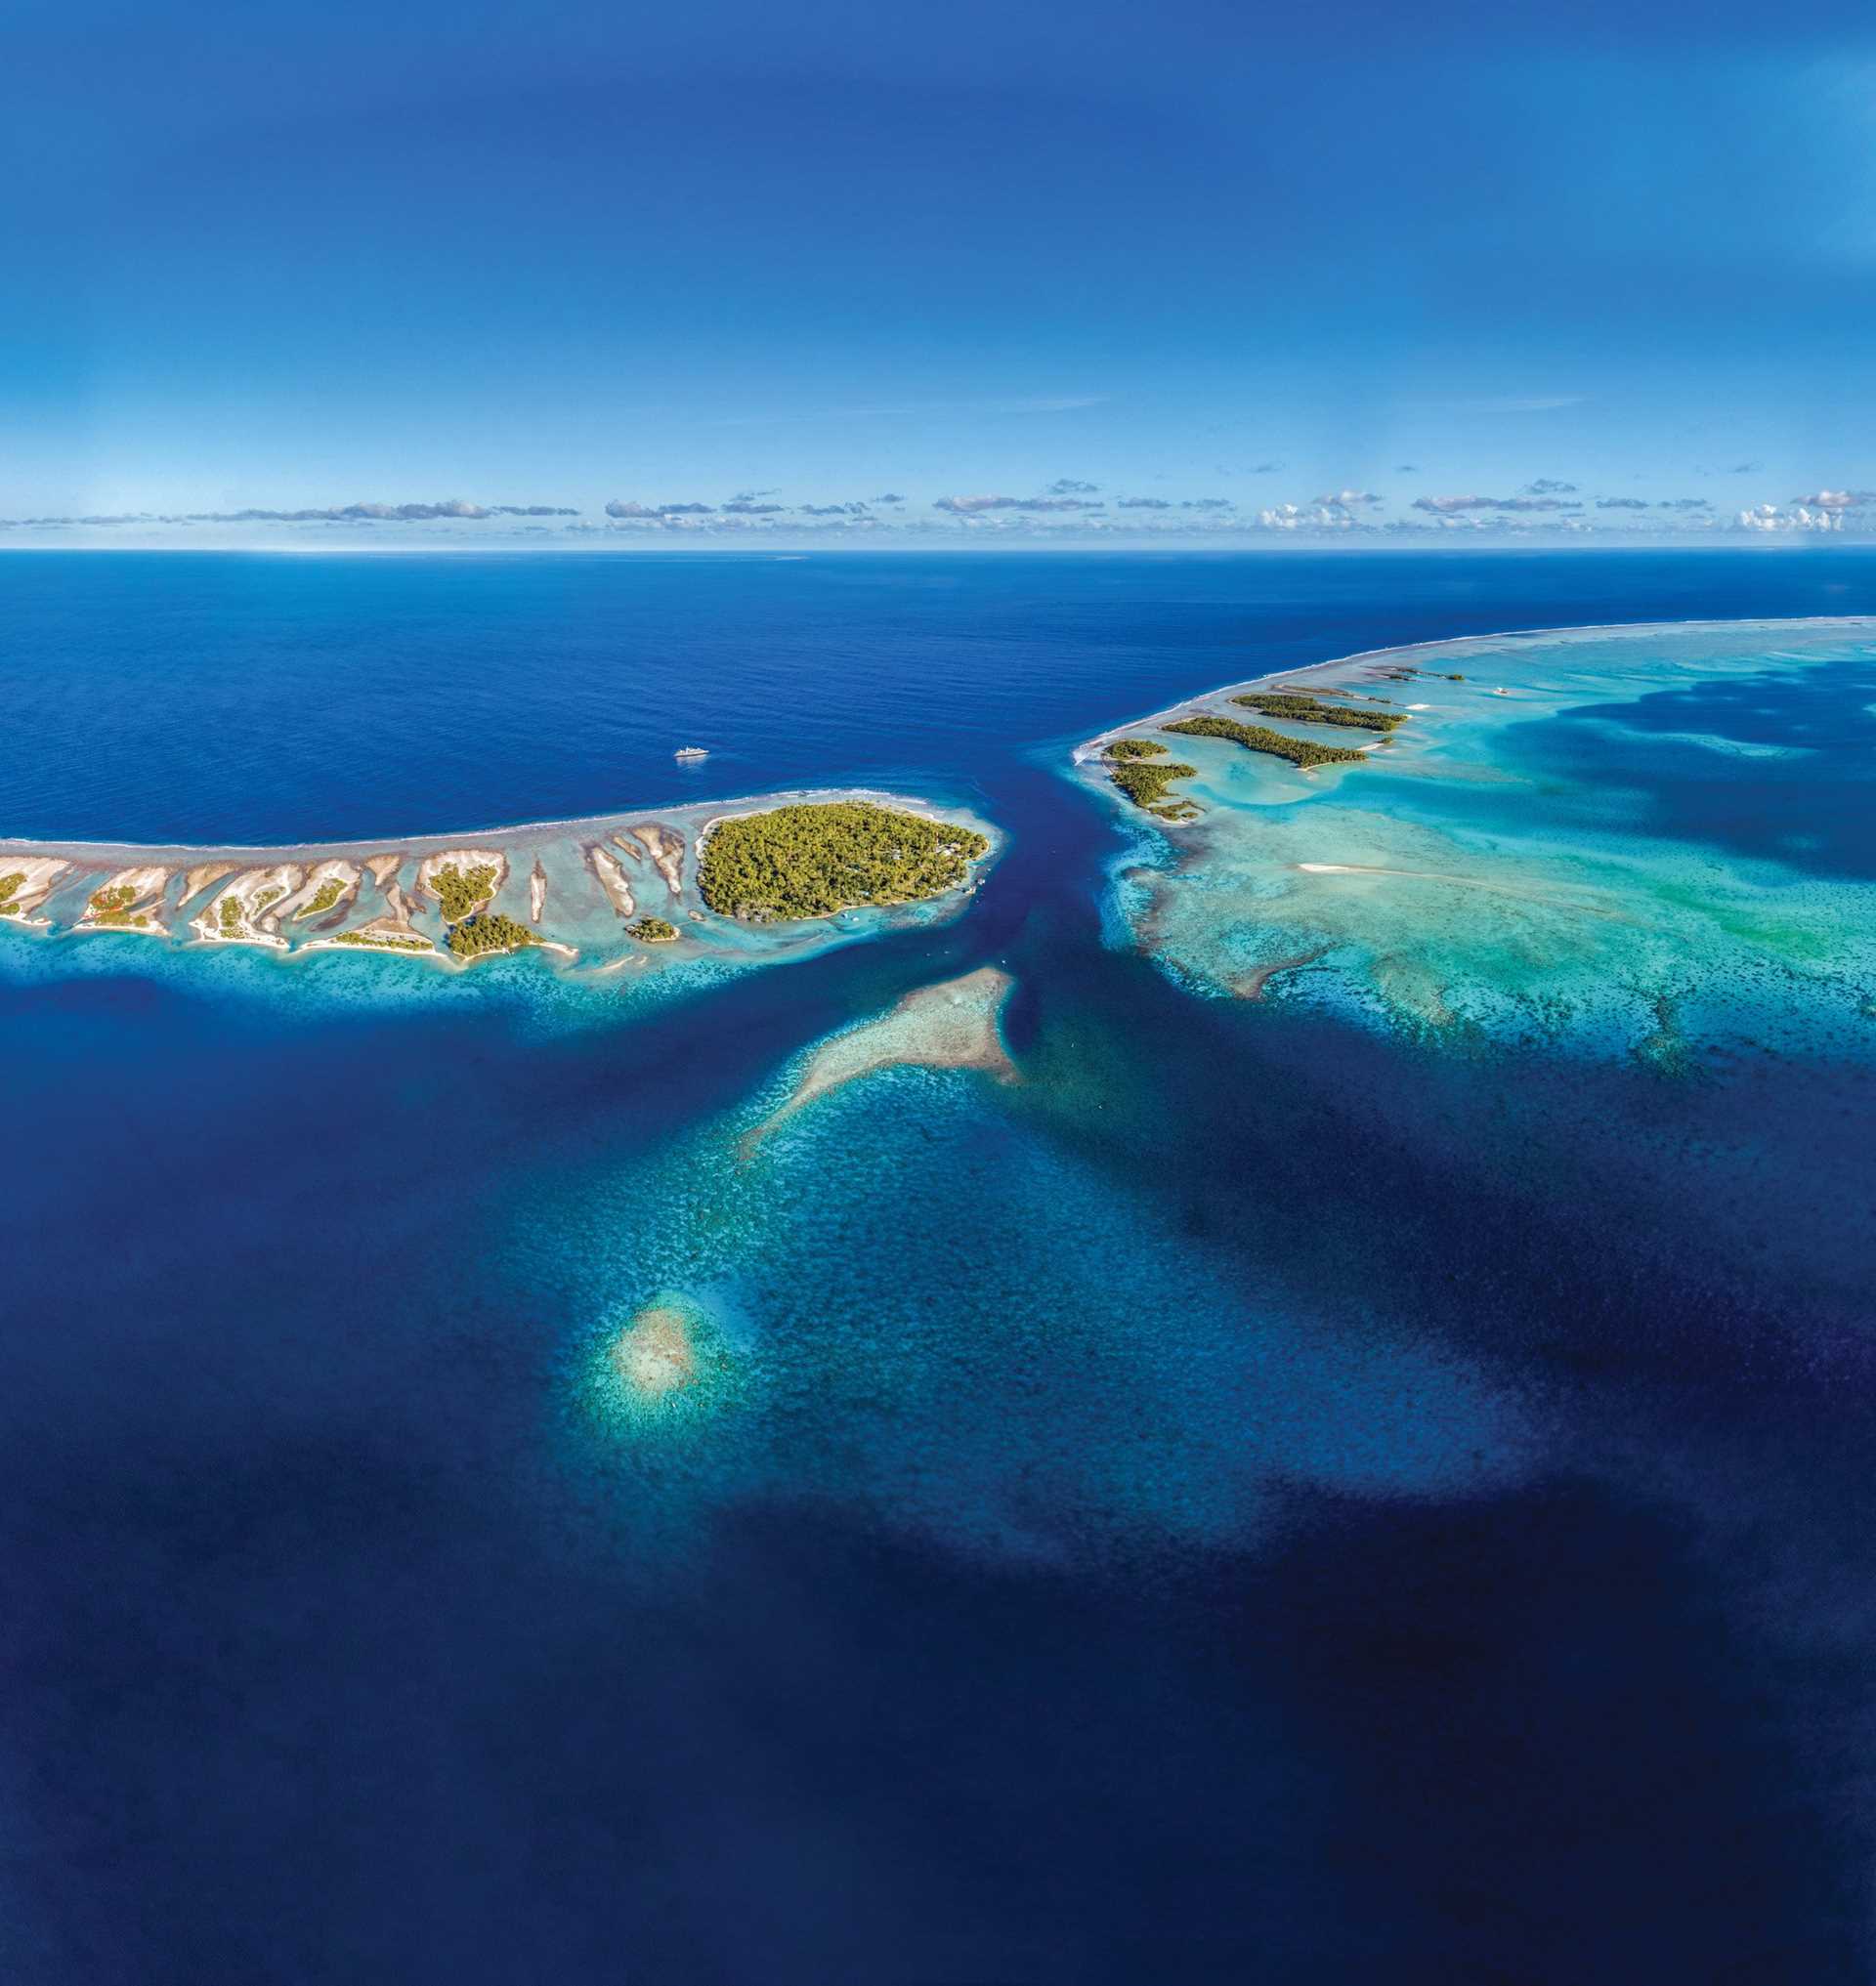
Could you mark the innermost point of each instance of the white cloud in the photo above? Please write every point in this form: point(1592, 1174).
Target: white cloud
point(1837, 499)
point(1768, 517)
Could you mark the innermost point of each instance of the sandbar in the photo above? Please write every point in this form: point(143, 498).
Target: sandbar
point(952, 1025)
point(666, 849)
point(611, 879)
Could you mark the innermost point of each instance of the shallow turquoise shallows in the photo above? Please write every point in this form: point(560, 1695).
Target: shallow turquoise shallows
point(1649, 839)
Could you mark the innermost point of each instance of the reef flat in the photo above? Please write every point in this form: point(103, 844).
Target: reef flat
point(611, 892)
point(952, 1025)
point(1625, 834)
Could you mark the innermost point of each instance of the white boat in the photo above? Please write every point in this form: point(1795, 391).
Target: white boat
point(690, 751)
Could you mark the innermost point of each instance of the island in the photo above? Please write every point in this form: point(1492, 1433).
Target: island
point(1141, 769)
point(812, 859)
point(1303, 707)
point(1300, 751)
point(743, 881)
point(1141, 766)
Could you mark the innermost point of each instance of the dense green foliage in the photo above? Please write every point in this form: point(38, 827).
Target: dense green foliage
point(1305, 709)
point(490, 931)
point(110, 907)
point(10, 885)
point(1146, 784)
point(1300, 751)
point(811, 859)
point(231, 915)
point(324, 896)
point(652, 930)
point(375, 941)
point(1135, 747)
point(461, 891)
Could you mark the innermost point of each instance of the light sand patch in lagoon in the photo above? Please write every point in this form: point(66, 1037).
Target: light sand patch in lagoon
point(666, 849)
point(203, 874)
point(664, 1367)
point(952, 1025)
point(328, 885)
point(25, 881)
point(654, 1354)
point(611, 879)
point(1558, 897)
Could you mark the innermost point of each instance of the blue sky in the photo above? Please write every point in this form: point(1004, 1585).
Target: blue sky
point(1187, 269)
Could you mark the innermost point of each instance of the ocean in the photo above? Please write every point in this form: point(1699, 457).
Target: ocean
point(1367, 1482)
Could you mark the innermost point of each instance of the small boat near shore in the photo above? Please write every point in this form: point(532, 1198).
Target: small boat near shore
point(690, 751)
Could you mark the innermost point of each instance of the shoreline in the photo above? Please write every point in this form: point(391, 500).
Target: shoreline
point(1500, 893)
point(1092, 747)
point(358, 847)
point(567, 885)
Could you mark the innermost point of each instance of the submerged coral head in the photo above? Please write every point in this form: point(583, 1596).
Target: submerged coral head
point(654, 1354)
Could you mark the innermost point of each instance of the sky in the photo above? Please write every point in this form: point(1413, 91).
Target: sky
point(835, 272)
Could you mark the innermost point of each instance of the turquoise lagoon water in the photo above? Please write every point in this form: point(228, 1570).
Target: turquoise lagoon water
point(1651, 838)
point(1368, 1481)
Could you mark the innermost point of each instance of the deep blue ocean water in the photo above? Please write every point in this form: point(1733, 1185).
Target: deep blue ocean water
point(1260, 1500)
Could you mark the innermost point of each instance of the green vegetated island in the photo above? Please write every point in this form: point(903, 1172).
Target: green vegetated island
point(753, 884)
point(812, 861)
point(1144, 770)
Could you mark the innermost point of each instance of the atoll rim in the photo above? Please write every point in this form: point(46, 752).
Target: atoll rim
point(1571, 832)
